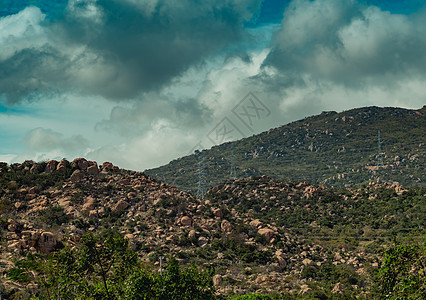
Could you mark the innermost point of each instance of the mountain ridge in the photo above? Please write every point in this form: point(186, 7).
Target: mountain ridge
point(335, 149)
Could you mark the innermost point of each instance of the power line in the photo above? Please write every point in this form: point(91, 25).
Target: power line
point(233, 169)
point(201, 176)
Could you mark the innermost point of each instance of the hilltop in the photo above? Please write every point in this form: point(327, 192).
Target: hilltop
point(333, 149)
point(260, 234)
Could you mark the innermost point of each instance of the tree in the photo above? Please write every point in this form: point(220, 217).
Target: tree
point(402, 273)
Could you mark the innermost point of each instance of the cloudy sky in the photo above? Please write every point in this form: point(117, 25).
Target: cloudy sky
point(142, 82)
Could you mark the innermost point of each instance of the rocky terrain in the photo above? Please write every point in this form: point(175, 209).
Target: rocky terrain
point(261, 235)
point(333, 149)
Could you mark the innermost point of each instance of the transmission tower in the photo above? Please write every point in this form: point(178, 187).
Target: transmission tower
point(201, 177)
point(380, 155)
point(233, 169)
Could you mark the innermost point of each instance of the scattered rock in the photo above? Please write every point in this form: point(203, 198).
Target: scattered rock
point(34, 169)
point(217, 280)
point(51, 166)
point(120, 206)
point(185, 221)
point(77, 176)
point(93, 170)
point(267, 233)
point(107, 166)
point(256, 223)
point(80, 163)
point(217, 212)
point(192, 234)
point(89, 204)
point(47, 242)
point(304, 288)
point(202, 241)
point(338, 288)
point(226, 226)
point(62, 166)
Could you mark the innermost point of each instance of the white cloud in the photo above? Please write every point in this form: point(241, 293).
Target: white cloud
point(21, 31)
point(47, 139)
point(7, 158)
point(327, 55)
point(85, 11)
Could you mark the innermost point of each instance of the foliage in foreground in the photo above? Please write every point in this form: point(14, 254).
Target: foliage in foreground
point(105, 268)
point(402, 274)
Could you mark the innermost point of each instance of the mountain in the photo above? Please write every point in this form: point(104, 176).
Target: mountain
point(261, 235)
point(334, 149)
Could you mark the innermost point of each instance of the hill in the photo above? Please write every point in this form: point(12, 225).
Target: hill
point(333, 149)
point(261, 235)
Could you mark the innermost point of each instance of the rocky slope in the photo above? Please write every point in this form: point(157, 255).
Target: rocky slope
point(334, 149)
point(260, 234)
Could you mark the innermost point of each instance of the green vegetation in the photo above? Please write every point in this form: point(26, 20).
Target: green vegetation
point(334, 149)
point(402, 274)
point(103, 267)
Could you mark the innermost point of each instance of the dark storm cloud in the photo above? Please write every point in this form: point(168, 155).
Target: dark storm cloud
point(349, 44)
point(118, 48)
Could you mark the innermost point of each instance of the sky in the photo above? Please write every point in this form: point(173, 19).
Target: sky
point(142, 82)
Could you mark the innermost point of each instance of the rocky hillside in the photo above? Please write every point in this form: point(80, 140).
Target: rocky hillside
point(260, 234)
point(333, 149)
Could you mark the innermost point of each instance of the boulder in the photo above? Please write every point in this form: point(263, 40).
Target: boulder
point(256, 223)
point(93, 170)
point(217, 212)
point(217, 280)
point(13, 184)
point(80, 163)
point(267, 233)
point(77, 176)
point(338, 289)
point(202, 241)
point(132, 195)
point(89, 204)
point(11, 227)
point(226, 226)
point(281, 262)
point(47, 242)
point(185, 221)
point(34, 169)
point(131, 238)
point(62, 166)
point(192, 234)
point(281, 258)
point(262, 279)
point(304, 288)
point(14, 246)
point(120, 206)
point(51, 166)
point(107, 166)
point(93, 213)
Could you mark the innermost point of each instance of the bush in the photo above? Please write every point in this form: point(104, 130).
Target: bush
point(53, 215)
point(402, 273)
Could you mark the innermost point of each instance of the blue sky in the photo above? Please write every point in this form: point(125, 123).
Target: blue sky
point(140, 83)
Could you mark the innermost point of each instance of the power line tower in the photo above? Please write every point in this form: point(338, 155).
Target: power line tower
point(201, 176)
point(233, 169)
point(380, 154)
